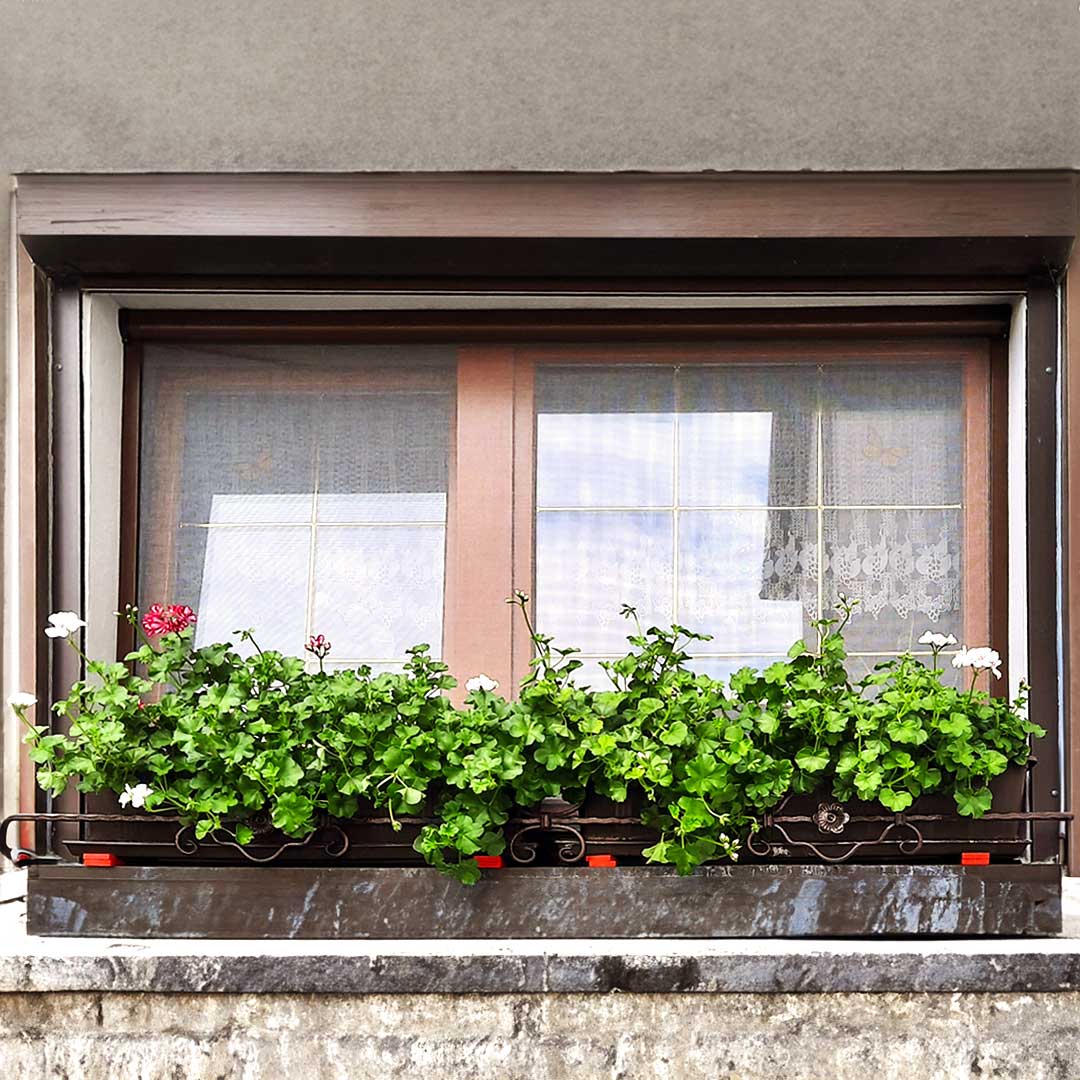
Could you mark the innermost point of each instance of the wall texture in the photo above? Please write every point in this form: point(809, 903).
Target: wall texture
point(238, 85)
point(586, 1037)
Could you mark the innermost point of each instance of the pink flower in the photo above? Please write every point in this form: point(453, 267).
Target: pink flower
point(318, 646)
point(180, 617)
point(154, 621)
point(160, 619)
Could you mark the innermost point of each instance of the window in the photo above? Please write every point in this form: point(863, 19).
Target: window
point(299, 491)
point(390, 494)
point(743, 499)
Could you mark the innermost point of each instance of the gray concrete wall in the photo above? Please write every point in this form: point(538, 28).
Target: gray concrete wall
point(679, 1036)
point(237, 85)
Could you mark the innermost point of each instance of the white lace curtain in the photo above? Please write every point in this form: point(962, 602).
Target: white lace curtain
point(704, 492)
point(890, 488)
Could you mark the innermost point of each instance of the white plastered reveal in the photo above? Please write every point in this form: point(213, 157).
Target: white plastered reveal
point(1017, 482)
point(103, 386)
point(103, 356)
point(9, 728)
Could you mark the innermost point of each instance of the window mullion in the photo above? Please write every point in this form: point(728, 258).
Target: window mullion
point(479, 558)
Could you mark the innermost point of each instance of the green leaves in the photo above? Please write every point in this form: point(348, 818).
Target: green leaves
point(972, 803)
point(293, 814)
point(868, 783)
point(811, 760)
point(956, 724)
point(895, 800)
point(908, 730)
point(675, 735)
point(222, 698)
point(218, 737)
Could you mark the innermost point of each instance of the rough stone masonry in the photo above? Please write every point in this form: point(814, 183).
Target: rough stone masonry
point(126, 1036)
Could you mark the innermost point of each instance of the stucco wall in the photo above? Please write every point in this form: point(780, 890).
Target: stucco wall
point(681, 1036)
point(133, 85)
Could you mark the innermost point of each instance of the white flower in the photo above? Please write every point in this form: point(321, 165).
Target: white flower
point(481, 682)
point(22, 700)
point(135, 796)
point(937, 641)
point(981, 659)
point(63, 624)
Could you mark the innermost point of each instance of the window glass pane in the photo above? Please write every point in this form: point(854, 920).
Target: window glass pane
point(723, 667)
point(743, 584)
point(605, 437)
point(254, 577)
point(246, 454)
point(589, 564)
point(747, 436)
point(378, 590)
point(904, 568)
point(591, 675)
point(892, 434)
point(401, 473)
point(755, 494)
point(298, 490)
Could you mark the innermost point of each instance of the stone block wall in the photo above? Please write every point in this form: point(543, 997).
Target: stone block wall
point(889, 1036)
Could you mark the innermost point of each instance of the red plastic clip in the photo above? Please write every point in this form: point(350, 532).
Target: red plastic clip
point(605, 861)
point(975, 858)
point(101, 858)
point(489, 862)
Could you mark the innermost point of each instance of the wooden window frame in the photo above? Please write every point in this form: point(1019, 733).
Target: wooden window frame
point(491, 518)
point(934, 235)
point(162, 507)
point(974, 355)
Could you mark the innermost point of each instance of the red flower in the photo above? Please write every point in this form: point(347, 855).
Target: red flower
point(180, 617)
point(154, 621)
point(318, 645)
point(160, 619)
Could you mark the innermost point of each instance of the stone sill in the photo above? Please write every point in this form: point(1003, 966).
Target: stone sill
point(1000, 965)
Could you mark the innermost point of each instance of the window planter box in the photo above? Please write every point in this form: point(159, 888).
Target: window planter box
point(816, 826)
point(369, 886)
point(804, 828)
point(368, 839)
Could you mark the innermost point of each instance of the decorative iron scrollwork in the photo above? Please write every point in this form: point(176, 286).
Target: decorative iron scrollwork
point(831, 817)
point(909, 845)
point(333, 847)
point(562, 822)
point(552, 819)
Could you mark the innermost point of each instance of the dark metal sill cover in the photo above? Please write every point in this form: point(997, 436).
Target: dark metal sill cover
point(788, 901)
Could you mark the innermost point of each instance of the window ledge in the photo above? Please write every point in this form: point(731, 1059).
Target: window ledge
point(999, 965)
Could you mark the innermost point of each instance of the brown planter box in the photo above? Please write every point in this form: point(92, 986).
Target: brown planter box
point(804, 828)
point(349, 842)
point(868, 831)
point(929, 829)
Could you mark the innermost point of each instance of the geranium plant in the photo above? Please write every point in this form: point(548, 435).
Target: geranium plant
point(217, 737)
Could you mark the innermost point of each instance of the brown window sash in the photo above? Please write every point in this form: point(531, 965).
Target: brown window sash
point(984, 585)
point(491, 513)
